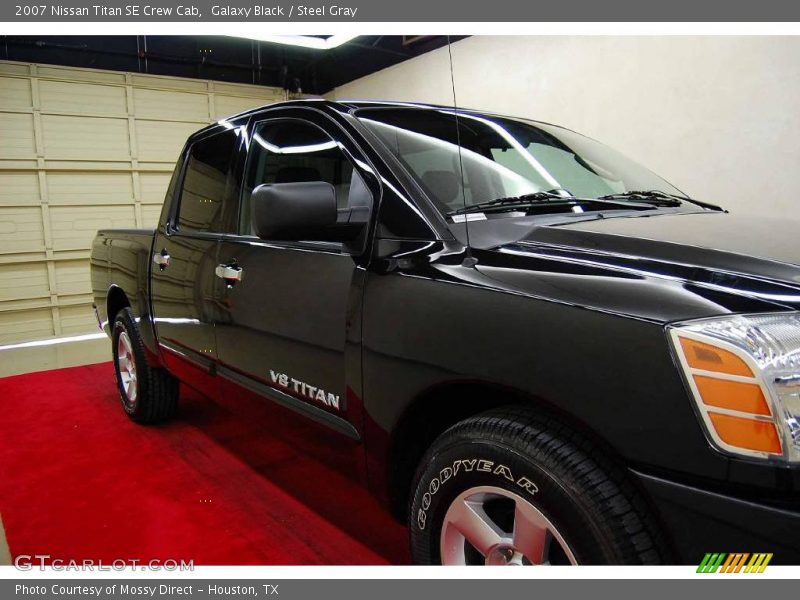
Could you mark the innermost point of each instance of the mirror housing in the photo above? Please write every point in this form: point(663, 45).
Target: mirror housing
point(294, 211)
point(307, 211)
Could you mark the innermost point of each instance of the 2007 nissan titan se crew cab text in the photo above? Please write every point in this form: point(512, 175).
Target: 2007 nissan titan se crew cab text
point(530, 348)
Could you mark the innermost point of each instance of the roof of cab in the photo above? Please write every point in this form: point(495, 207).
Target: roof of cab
point(339, 105)
point(345, 106)
point(342, 105)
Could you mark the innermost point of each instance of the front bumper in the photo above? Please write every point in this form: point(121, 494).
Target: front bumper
point(698, 521)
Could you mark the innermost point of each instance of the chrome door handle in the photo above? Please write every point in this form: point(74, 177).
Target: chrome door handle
point(230, 273)
point(162, 259)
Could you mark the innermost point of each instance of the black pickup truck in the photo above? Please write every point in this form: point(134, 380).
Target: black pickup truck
point(532, 349)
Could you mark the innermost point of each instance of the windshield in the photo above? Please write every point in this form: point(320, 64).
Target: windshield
point(502, 158)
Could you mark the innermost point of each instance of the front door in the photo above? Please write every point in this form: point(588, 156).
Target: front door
point(289, 326)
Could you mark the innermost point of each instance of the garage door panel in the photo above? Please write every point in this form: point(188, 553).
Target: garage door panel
point(82, 138)
point(74, 227)
point(150, 215)
point(21, 230)
point(16, 131)
point(154, 187)
point(72, 277)
point(15, 93)
point(178, 106)
point(160, 140)
point(230, 105)
point(19, 187)
point(13, 68)
point(82, 98)
point(90, 188)
point(23, 281)
point(237, 89)
point(73, 74)
point(24, 325)
point(172, 83)
point(77, 319)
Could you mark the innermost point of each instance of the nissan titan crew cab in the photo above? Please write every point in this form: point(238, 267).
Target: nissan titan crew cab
point(530, 348)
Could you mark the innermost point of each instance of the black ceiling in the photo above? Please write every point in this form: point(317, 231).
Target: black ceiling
point(224, 58)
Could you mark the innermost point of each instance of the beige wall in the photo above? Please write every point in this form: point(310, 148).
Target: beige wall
point(80, 150)
point(717, 116)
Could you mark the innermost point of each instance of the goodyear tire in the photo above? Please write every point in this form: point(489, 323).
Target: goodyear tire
point(148, 395)
point(506, 488)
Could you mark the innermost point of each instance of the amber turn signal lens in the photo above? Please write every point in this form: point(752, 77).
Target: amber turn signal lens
point(749, 434)
point(710, 358)
point(733, 395)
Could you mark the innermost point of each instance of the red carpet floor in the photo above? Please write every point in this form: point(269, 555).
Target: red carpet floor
point(79, 480)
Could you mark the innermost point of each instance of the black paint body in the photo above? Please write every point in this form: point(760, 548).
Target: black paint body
point(569, 319)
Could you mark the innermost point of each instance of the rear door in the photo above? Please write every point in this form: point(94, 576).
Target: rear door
point(289, 328)
point(185, 255)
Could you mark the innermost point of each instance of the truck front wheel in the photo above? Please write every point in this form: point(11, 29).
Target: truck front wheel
point(508, 488)
point(148, 395)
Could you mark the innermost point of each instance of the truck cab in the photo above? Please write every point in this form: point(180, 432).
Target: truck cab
point(521, 341)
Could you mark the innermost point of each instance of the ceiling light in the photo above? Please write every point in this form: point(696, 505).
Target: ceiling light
point(303, 41)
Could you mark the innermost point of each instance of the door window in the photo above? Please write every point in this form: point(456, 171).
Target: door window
point(207, 183)
point(293, 151)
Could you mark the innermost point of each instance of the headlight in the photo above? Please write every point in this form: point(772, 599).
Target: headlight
point(744, 374)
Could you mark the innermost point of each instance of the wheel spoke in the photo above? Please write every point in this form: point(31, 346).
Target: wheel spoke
point(531, 536)
point(127, 367)
point(476, 526)
point(467, 525)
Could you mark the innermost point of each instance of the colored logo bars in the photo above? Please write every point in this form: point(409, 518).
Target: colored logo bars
point(734, 563)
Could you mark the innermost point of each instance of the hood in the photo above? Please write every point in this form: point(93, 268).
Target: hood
point(760, 246)
point(664, 266)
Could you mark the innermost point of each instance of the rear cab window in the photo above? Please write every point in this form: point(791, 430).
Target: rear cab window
point(207, 193)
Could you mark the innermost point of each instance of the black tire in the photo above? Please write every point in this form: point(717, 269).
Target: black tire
point(588, 498)
point(156, 396)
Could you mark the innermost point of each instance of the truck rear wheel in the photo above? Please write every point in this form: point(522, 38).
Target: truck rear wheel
point(148, 395)
point(507, 488)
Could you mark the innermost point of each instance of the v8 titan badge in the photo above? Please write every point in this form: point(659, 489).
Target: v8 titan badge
point(301, 388)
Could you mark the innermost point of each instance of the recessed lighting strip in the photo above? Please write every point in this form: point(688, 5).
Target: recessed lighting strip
point(303, 41)
point(53, 341)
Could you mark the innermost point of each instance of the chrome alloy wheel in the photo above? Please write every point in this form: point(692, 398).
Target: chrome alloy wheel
point(127, 367)
point(492, 526)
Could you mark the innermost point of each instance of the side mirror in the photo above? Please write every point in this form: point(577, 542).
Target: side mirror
point(294, 211)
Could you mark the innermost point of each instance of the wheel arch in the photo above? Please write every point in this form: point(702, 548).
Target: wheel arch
point(441, 406)
point(116, 300)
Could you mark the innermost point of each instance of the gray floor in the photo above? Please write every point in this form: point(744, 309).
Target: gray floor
point(5, 555)
point(15, 361)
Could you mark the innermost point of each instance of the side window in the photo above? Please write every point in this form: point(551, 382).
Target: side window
point(292, 151)
point(207, 183)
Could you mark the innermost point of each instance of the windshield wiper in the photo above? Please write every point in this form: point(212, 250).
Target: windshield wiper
point(523, 199)
point(547, 197)
point(664, 199)
point(653, 197)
